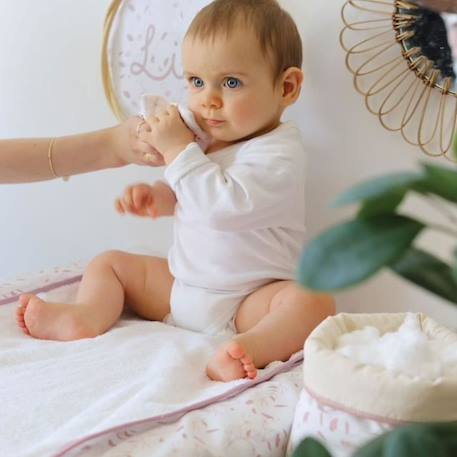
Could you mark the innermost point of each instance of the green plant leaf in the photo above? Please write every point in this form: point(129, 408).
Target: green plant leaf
point(378, 187)
point(414, 440)
point(440, 181)
point(353, 251)
point(310, 447)
point(373, 448)
point(386, 203)
point(427, 271)
point(454, 265)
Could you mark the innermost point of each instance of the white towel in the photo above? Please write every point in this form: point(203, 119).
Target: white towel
point(53, 393)
point(153, 105)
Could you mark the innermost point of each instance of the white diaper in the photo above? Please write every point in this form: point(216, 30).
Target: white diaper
point(204, 310)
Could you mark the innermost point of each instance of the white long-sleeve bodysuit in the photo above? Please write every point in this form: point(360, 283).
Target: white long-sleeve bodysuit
point(239, 224)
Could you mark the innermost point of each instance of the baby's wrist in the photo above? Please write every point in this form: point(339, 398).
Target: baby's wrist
point(165, 199)
point(171, 154)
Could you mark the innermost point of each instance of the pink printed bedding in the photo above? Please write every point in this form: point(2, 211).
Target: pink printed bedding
point(139, 390)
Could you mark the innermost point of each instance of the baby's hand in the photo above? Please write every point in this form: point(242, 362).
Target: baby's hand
point(168, 133)
point(147, 201)
point(138, 200)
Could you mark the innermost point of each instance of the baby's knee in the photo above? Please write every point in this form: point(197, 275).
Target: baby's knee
point(109, 258)
point(320, 303)
point(327, 304)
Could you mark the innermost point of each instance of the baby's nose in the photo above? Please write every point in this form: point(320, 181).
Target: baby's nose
point(212, 99)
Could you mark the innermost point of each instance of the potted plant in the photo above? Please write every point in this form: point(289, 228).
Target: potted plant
point(415, 440)
point(379, 235)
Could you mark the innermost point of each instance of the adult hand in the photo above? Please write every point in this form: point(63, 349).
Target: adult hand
point(131, 147)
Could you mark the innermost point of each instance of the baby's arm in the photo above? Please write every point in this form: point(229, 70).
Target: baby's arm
point(165, 199)
point(145, 200)
point(259, 188)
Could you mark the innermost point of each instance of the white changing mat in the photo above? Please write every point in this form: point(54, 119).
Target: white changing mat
point(57, 393)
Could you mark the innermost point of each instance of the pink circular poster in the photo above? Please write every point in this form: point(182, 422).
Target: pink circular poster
point(142, 51)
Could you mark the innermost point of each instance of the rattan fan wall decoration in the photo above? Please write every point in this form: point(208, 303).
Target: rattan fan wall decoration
point(406, 76)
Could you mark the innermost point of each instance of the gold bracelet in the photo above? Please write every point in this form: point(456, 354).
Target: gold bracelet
point(51, 165)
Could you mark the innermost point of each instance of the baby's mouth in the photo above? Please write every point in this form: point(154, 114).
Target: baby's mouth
point(213, 122)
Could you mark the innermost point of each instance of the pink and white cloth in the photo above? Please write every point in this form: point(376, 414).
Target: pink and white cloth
point(138, 390)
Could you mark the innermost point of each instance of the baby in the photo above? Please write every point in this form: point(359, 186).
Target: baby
point(238, 206)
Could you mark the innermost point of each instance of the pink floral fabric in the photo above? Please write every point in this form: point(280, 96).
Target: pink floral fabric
point(340, 431)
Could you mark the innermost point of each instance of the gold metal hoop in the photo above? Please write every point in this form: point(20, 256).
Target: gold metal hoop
point(106, 73)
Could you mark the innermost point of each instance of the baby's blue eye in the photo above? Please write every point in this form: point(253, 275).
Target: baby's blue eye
point(196, 82)
point(232, 83)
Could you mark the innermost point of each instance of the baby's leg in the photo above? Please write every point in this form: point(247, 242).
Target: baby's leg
point(273, 323)
point(110, 280)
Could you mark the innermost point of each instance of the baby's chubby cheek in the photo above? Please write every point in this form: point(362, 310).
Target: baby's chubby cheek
point(198, 119)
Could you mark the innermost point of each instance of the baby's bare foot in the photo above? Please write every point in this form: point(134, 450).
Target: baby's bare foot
point(51, 321)
point(23, 300)
point(231, 362)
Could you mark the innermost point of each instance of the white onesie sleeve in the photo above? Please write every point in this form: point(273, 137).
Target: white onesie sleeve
point(255, 187)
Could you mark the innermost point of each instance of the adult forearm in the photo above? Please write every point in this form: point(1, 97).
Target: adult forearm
point(26, 160)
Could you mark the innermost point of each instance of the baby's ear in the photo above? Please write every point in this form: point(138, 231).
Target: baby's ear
point(292, 80)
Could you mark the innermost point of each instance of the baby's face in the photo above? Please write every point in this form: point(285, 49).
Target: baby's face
point(230, 86)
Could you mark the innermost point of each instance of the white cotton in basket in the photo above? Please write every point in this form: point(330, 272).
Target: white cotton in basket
point(408, 350)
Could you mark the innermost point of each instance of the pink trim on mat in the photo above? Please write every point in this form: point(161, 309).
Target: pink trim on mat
point(136, 427)
point(354, 412)
point(39, 290)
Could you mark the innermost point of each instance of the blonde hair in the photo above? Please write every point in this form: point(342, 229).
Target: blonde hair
point(275, 29)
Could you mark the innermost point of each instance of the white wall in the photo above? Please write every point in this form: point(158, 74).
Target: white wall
point(50, 85)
